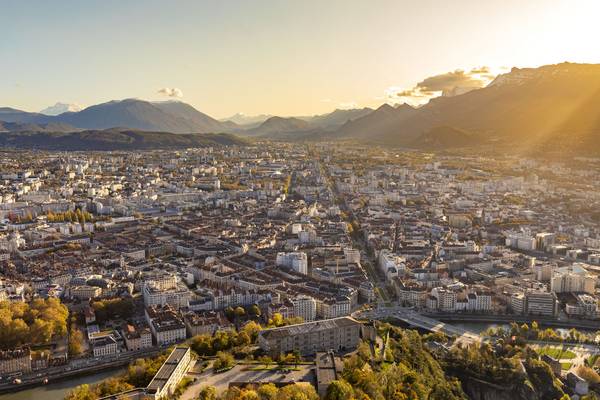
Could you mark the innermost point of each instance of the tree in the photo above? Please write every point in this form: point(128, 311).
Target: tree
point(339, 390)
point(81, 392)
point(297, 357)
point(243, 339)
point(202, 345)
point(208, 393)
point(266, 360)
point(111, 386)
point(298, 391)
point(240, 312)
point(267, 392)
point(252, 329)
point(31, 323)
point(223, 361)
point(41, 331)
point(75, 342)
point(277, 320)
point(255, 311)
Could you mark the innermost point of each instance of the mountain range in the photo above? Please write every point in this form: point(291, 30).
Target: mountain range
point(553, 106)
point(531, 107)
point(170, 116)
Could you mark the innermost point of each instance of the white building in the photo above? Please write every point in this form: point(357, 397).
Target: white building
point(85, 292)
point(296, 261)
point(105, 346)
point(391, 264)
point(446, 299)
point(178, 296)
point(170, 373)
point(479, 302)
point(573, 279)
point(305, 307)
point(166, 325)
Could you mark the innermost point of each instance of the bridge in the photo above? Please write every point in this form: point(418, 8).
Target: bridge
point(414, 319)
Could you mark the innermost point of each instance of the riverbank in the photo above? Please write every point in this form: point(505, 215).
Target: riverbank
point(76, 368)
point(58, 389)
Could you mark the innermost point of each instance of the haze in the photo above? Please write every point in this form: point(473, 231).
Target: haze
point(276, 57)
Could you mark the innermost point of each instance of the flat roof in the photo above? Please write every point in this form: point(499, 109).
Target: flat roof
point(167, 369)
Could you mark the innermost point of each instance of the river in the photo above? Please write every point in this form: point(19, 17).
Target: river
point(58, 390)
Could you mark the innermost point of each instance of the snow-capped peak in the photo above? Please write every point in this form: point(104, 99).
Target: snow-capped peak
point(60, 108)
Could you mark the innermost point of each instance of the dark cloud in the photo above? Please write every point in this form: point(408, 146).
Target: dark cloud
point(450, 81)
point(449, 84)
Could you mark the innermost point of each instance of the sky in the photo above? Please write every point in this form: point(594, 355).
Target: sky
point(278, 57)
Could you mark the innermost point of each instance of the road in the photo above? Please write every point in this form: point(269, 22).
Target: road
point(368, 263)
point(413, 318)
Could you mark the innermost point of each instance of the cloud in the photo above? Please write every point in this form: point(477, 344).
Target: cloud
point(171, 92)
point(448, 84)
point(449, 81)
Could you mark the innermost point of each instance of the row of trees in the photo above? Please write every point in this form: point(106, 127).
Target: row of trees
point(207, 345)
point(32, 323)
point(297, 391)
point(238, 312)
point(70, 216)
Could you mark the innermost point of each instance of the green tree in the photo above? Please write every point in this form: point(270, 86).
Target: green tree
point(252, 329)
point(267, 392)
point(339, 390)
point(243, 339)
point(240, 312)
point(76, 342)
point(208, 393)
point(223, 361)
point(255, 311)
point(81, 392)
point(277, 320)
point(298, 391)
point(111, 386)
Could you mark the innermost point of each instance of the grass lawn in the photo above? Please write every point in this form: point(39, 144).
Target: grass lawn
point(557, 352)
point(566, 366)
point(273, 368)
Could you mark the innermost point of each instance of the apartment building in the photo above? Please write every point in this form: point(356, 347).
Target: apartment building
point(337, 334)
point(305, 307)
point(296, 261)
point(137, 337)
point(170, 373)
point(12, 361)
point(166, 324)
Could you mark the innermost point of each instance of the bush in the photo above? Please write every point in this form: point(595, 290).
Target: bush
point(223, 361)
